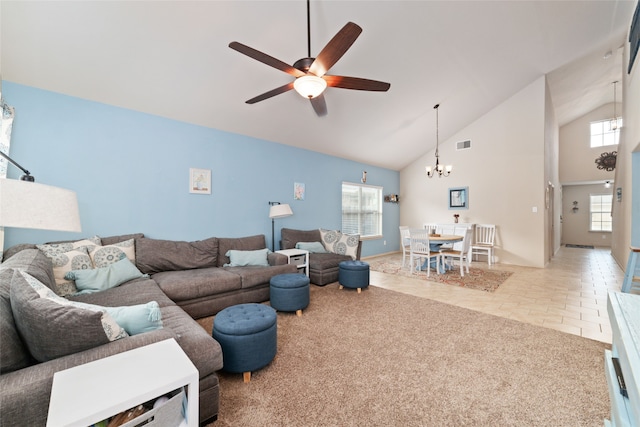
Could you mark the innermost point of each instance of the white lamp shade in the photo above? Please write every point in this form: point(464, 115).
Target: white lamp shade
point(31, 205)
point(310, 86)
point(280, 211)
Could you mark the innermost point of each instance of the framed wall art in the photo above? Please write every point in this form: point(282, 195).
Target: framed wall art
point(298, 191)
point(459, 198)
point(200, 181)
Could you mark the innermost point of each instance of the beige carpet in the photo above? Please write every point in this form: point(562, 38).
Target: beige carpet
point(382, 358)
point(477, 278)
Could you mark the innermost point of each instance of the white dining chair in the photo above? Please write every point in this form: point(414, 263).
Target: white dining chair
point(420, 250)
point(405, 242)
point(484, 241)
point(460, 251)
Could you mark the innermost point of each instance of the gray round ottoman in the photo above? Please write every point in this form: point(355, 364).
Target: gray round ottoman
point(353, 274)
point(289, 292)
point(247, 334)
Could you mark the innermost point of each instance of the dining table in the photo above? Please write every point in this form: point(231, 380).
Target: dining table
point(435, 244)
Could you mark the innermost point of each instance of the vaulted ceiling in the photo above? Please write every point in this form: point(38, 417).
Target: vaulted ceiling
point(171, 58)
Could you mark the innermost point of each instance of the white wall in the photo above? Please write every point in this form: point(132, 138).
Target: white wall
point(626, 218)
point(553, 195)
point(577, 158)
point(575, 226)
point(505, 173)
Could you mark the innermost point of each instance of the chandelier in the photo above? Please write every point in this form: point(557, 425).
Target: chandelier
point(439, 169)
point(613, 123)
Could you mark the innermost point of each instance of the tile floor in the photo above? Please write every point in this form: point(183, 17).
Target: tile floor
point(570, 295)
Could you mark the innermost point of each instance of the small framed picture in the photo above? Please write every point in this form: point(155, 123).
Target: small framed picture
point(459, 198)
point(298, 191)
point(200, 181)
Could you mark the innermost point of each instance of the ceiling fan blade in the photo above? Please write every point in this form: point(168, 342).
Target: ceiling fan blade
point(265, 59)
point(271, 93)
point(356, 83)
point(334, 50)
point(319, 105)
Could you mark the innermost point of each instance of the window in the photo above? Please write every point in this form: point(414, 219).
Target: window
point(600, 212)
point(362, 210)
point(602, 134)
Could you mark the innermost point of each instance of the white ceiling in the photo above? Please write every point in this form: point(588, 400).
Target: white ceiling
point(171, 58)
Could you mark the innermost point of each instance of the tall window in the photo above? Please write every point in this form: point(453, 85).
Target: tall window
point(600, 211)
point(362, 210)
point(602, 134)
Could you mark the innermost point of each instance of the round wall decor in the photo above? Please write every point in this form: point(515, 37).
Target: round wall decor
point(607, 161)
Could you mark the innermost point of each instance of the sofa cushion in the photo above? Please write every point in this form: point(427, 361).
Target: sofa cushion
point(154, 256)
point(138, 291)
point(249, 243)
point(100, 279)
point(34, 262)
point(290, 237)
point(202, 282)
point(110, 240)
point(244, 258)
point(253, 276)
point(49, 329)
point(326, 261)
point(13, 354)
point(16, 249)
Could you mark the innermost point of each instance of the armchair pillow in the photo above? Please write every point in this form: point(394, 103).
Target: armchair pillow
point(312, 247)
point(244, 258)
point(343, 244)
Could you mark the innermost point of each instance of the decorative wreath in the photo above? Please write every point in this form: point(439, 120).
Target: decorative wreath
point(607, 161)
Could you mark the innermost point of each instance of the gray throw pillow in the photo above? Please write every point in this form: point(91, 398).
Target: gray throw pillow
point(51, 330)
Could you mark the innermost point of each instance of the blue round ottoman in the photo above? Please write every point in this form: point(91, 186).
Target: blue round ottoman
point(353, 274)
point(247, 334)
point(289, 292)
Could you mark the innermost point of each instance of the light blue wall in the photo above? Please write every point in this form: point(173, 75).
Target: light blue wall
point(131, 174)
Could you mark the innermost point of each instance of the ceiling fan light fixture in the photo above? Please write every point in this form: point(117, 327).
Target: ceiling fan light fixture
point(309, 86)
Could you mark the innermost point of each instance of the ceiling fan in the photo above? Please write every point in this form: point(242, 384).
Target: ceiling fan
point(311, 73)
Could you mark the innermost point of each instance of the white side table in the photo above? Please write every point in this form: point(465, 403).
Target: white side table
point(89, 393)
point(299, 257)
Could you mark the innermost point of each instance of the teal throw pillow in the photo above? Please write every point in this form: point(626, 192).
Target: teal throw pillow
point(312, 247)
point(100, 279)
point(137, 319)
point(244, 258)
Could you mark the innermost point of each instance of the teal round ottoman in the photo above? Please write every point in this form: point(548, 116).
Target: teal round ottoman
point(247, 334)
point(353, 274)
point(289, 292)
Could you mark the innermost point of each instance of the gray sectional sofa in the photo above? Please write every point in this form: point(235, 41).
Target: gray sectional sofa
point(187, 280)
point(323, 267)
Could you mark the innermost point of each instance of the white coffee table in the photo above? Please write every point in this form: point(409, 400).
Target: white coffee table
point(89, 393)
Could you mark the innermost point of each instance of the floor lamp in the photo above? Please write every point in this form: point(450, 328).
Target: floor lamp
point(27, 204)
point(277, 210)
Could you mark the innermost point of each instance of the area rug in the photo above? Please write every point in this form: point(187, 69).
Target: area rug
point(477, 278)
point(383, 358)
point(580, 246)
